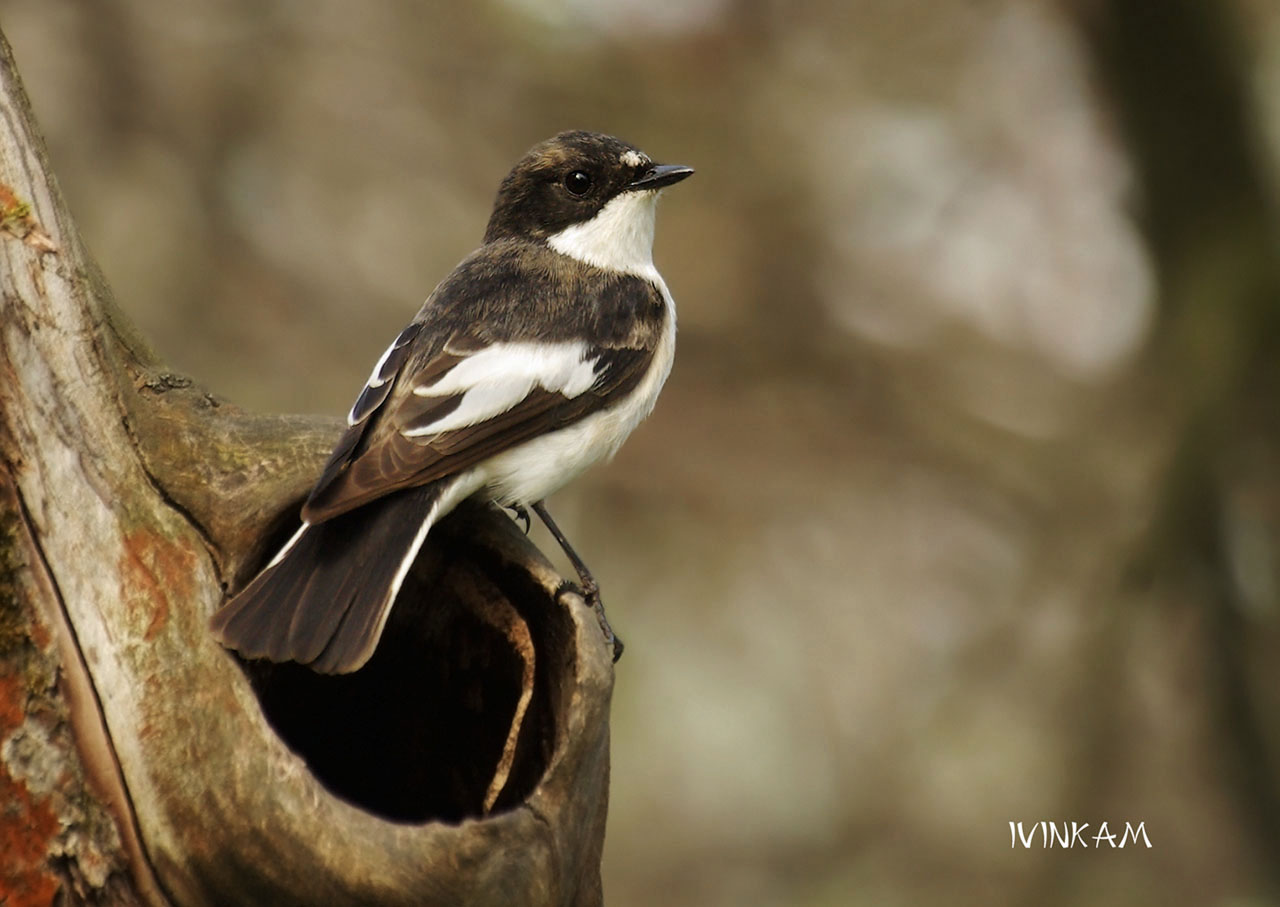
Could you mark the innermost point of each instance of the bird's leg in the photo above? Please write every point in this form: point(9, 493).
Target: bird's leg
point(521, 515)
point(590, 589)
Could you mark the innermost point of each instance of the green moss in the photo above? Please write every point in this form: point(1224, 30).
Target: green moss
point(17, 211)
point(13, 626)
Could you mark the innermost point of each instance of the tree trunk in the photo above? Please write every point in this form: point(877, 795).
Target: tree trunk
point(142, 764)
point(1177, 76)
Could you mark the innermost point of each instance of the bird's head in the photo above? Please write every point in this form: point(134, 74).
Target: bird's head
point(586, 195)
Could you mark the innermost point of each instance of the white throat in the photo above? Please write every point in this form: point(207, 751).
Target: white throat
point(618, 238)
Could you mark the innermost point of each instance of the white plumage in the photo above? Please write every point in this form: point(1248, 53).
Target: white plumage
point(536, 468)
point(618, 238)
point(499, 377)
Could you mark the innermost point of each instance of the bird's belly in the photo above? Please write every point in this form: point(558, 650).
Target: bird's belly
point(533, 470)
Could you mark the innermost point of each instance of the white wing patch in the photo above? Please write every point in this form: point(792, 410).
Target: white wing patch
point(376, 377)
point(530, 471)
point(497, 378)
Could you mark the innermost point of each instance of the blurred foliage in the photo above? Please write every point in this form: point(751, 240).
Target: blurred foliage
point(961, 506)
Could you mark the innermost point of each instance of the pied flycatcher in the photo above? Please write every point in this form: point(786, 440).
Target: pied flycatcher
point(533, 360)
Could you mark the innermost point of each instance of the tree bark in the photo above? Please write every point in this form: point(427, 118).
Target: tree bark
point(142, 764)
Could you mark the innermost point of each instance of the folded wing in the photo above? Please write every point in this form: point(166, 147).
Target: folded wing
point(465, 404)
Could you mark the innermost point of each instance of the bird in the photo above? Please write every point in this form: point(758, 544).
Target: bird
point(533, 360)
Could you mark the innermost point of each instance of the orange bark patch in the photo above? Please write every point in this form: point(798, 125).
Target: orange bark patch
point(13, 705)
point(16, 220)
point(28, 825)
point(155, 572)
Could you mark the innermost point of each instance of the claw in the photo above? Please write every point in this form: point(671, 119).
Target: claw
point(591, 592)
point(521, 516)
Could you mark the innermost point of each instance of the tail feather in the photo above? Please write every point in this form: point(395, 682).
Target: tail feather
point(325, 599)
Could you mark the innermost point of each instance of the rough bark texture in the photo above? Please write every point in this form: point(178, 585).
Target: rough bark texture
point(141, 763)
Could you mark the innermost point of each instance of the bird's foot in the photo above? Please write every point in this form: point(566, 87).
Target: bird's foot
point(521, 515)
point(591, 592)
point(590, 589)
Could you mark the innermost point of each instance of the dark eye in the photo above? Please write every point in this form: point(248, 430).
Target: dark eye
point(578, 182)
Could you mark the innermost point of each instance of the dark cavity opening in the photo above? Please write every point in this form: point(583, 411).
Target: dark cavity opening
point(417, 734)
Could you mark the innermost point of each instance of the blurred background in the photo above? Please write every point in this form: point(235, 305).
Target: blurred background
point(961, 506)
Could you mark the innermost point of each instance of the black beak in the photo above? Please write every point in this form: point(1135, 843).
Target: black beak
point(660, 175)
